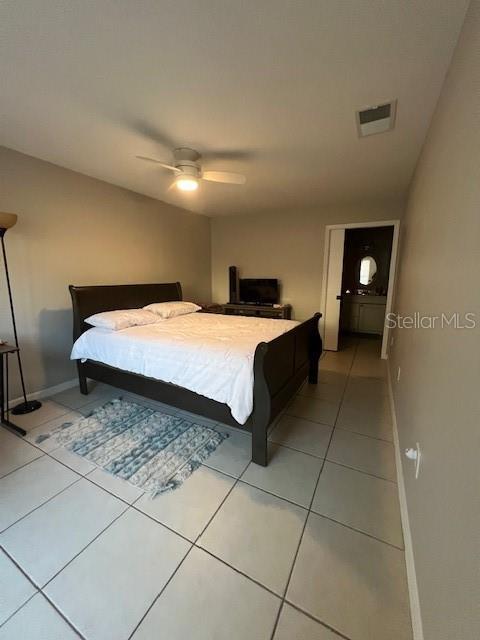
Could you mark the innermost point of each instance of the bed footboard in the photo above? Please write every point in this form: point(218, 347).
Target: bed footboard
point(280, 367)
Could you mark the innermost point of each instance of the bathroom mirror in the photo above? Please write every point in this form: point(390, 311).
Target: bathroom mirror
point(368, 269)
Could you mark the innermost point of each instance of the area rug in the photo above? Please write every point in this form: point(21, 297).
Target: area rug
point(150, 449)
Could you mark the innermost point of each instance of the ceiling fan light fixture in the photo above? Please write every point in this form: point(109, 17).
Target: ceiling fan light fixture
point(188, 170)
point(186, 183)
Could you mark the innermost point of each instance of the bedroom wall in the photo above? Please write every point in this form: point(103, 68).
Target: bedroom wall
point(287, 245)
point(73, 229)
point(437, 399)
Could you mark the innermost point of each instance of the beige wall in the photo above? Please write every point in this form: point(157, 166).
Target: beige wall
point(77, 230)
point(287, 245)
point(438, 396)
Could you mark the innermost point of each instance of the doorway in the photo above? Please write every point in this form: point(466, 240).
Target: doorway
point(358, 280)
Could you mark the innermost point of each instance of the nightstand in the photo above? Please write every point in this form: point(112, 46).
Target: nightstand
point(5, 351)
point(211, 308)
point(278, 311)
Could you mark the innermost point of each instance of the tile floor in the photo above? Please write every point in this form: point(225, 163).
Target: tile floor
point(308, 548)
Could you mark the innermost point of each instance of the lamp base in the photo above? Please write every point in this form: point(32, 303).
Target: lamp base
point(26, 407)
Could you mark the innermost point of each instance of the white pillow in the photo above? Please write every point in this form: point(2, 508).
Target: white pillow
point(122, 319)
point(172, 309)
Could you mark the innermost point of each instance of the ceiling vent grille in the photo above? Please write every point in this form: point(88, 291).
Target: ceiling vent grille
point(376, 119)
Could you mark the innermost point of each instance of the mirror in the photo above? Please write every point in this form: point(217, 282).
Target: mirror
point(368, 269)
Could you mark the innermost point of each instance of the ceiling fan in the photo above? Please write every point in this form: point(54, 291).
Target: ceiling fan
point(188, 171)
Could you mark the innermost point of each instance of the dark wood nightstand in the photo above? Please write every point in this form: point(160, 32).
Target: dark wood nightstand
point(5, 351)
point(279, 311)
point(211, 308)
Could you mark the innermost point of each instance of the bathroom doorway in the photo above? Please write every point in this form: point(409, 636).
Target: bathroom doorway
point(358, 280)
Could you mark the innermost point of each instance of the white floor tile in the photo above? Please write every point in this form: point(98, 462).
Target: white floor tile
point(290, 474)
point(107, 589)
point(360, 389)
point(314, 409)
point(72, 460)
point(233, 454)
point(360, 501)
point(206, 600)
point(119, 487)
point(14, 452)
point(40, 436)
point(353, 583)
point(258, 534)
point(15, 589)
point(371, 401)
point(189, 508)
point(48, 411)
point(30, 486)
point(369, 418)
point(339, 361)
point(44, 541)
point(37, 620)
point(322, 391)
point(111, 571)
point(370, 346)
point(369, 368)
point(73, 399)
point(363, 453)
point(295, 625)
point(304, 435)
point(335, 378)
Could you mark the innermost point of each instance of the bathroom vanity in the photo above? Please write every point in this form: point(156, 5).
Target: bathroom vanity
point(363, 313)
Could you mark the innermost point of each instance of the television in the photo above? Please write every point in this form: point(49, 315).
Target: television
point(259, 291)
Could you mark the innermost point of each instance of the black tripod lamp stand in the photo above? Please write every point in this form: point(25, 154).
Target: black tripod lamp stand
point(8, 220)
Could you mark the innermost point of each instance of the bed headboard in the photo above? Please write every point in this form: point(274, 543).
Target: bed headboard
point(89, 300)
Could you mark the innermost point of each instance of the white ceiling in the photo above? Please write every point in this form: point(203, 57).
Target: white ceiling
point(88, 85)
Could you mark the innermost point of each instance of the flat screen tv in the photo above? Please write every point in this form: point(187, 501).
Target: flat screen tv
point(259, 291)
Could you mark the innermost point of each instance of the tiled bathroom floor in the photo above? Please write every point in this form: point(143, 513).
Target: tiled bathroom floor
point(308, 548)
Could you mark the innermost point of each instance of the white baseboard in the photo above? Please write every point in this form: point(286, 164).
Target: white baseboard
point(415, 611)
point(44, 393)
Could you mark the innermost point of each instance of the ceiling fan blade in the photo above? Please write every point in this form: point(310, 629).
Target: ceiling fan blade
point(229, 155)
point(162, 164)
point(224, 176)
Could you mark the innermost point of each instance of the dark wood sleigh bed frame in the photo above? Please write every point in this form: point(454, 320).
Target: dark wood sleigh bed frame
point(280, 366)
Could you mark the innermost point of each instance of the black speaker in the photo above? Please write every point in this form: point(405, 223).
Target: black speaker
point(233, 285)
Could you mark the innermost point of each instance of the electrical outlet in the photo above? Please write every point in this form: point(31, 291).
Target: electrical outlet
point(398, 374)
point(416, 456)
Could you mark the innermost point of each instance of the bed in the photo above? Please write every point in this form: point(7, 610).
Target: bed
point(252, 367)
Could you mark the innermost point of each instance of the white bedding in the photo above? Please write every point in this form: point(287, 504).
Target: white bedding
point(210, 354)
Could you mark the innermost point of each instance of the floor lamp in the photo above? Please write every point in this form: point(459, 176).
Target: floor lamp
point(8, 220)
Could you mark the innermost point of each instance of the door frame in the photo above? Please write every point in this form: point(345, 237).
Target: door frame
point(391, 276)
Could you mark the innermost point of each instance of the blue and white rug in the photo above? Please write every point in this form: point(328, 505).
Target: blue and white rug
point(150, 449)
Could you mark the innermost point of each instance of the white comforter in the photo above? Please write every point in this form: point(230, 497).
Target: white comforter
point(209, 354)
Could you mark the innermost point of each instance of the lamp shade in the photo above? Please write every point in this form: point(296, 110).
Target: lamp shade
point(7, 220)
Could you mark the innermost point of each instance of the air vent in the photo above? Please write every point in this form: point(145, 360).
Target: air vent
point(376, 119)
